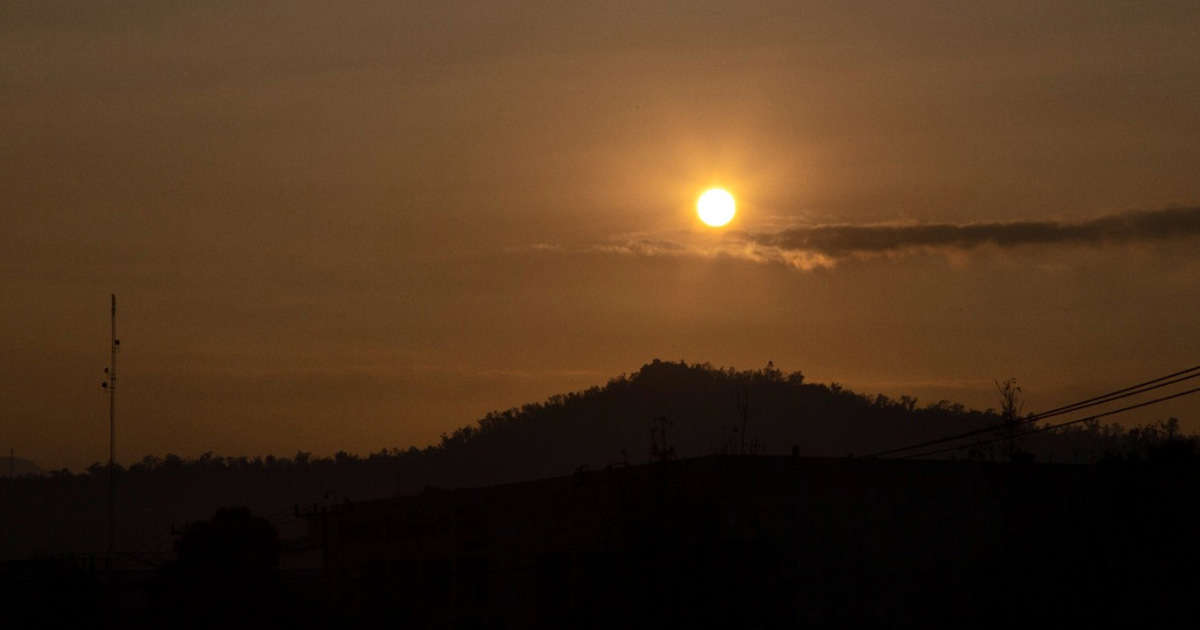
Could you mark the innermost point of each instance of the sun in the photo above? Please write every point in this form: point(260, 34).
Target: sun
point(716, 207)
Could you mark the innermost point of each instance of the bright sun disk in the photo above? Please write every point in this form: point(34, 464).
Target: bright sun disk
point(716, 207)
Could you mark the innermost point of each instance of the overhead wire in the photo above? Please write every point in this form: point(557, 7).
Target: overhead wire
point(1054, 426)
point(1125, 392)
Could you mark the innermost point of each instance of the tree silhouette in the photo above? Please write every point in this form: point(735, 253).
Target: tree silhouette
point(1012, 403)
point(660, 444)
point(226, 571)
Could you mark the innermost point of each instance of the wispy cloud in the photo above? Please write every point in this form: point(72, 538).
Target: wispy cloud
point(843, 240)
point(812, 246)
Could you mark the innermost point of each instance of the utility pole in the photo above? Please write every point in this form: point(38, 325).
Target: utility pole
point(111, 387)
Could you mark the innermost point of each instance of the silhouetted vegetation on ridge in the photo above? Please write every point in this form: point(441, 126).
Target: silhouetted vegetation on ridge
point(706, 410)
point(226, 573)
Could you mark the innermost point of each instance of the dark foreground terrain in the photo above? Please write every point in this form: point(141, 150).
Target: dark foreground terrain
point(736, 541)
point(688, 411)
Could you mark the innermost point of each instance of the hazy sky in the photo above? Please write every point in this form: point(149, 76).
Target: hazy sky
point(357, 225)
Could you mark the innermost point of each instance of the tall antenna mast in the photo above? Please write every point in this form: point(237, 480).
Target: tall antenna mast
point(111, 387)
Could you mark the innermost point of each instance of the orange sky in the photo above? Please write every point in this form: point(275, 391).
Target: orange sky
point(360, 225)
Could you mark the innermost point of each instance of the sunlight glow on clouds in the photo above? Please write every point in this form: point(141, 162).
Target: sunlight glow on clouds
point(822, 246)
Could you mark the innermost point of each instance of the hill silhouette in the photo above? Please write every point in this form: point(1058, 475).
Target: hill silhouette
point(18, 466)
point(702, 410)
point(661, 411)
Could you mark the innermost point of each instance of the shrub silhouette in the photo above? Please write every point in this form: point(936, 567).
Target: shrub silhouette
point(226, 572)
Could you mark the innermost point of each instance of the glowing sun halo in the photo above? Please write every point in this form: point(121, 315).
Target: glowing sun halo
point(716, 207)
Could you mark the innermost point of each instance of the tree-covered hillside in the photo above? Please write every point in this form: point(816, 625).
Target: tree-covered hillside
point(692, 410)
point(663, 410)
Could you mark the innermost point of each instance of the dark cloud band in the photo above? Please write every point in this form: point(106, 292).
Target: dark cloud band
point(838, 241)
point(816, 246)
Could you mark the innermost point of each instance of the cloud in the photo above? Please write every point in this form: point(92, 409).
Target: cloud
point(838, 241)
point(813, 246)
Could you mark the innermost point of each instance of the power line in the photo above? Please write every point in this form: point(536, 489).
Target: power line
point(1083, 404)
point(1125, 392)
point(1054, 426)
